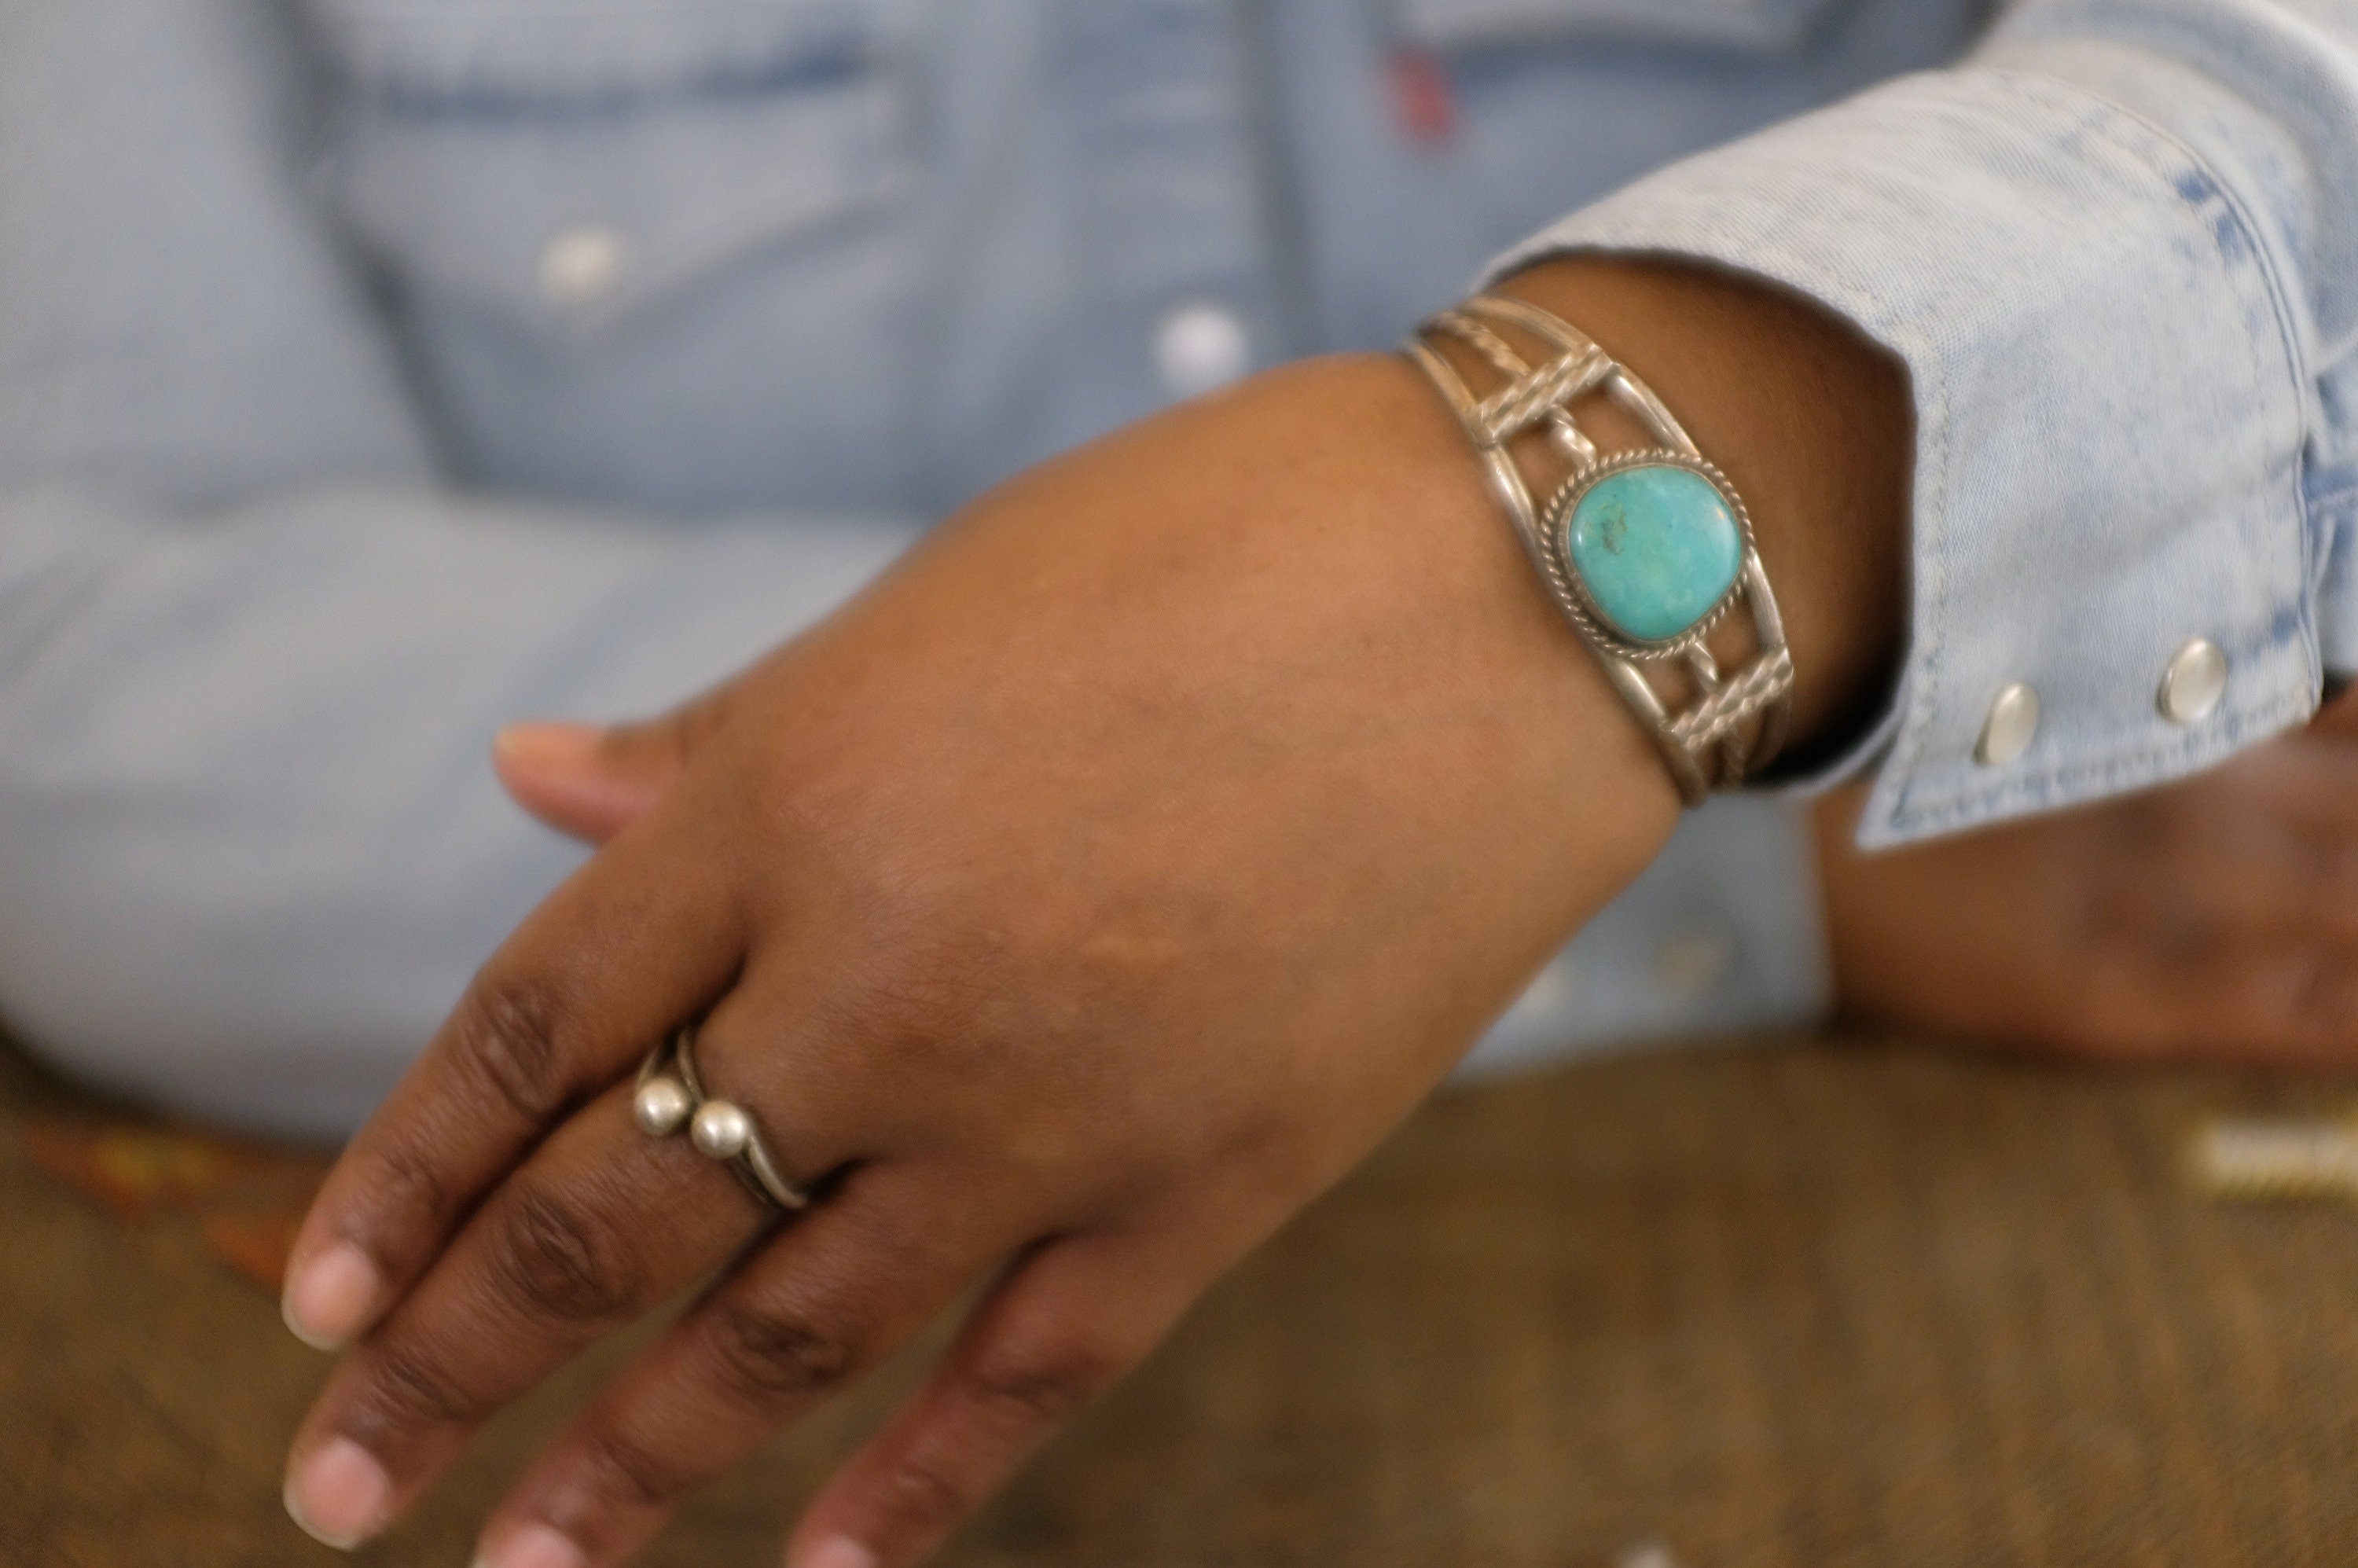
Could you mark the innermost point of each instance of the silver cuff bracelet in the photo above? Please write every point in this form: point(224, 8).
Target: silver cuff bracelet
point(1645, 552)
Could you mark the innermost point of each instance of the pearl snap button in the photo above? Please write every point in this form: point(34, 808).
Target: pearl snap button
point(2194, 682)
point(1199, 347)
point(1691, 962)
point(580, 267)
point(2013, 720)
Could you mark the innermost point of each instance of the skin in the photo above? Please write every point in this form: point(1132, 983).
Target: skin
point(1080, 901)
point(2215, 920)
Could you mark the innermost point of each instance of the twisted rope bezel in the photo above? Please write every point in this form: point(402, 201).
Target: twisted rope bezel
point(1702, 744)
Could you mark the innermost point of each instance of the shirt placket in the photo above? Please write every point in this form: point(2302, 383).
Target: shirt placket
point(1172, 209)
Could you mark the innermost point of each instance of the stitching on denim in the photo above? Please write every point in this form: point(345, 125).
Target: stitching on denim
point(2109, 121)
point(2114, 773)
point(1920, 685)
point(2130, 767)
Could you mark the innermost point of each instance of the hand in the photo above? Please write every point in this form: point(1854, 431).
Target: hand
point(2215, 919)
point(1077, 903)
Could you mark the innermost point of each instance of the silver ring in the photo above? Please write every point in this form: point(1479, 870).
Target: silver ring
point(670, 1096)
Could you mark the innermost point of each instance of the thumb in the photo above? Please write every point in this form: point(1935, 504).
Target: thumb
point(587, 780)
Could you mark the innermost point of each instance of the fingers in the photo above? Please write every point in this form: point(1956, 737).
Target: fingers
point(2289, 1004)
point(1066, 1326)
point(599, 1226)
point(592, 781)
point(584, 781)
point(559, 775)
point(2260, 887)
point(2223, 993)
point(797, 1321)
point(636, 941)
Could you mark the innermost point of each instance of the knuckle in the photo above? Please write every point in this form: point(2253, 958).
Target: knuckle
point(777, 1353)
point(507, 1037)
point(914, 1008)
point(557, 1261)
point(409, 1391)
point(1040, 1387)
point(922, 1496)
point(410, 1187)
point(624, 1470)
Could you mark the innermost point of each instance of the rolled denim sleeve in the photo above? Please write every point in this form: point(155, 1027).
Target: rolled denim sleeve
point(2117, 251)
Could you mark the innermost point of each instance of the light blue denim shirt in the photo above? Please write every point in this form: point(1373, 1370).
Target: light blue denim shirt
point(372, 372)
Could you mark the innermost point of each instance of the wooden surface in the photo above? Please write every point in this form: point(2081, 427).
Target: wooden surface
point(1793, 1304)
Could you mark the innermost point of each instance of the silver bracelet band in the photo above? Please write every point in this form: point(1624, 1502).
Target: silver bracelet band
point(1645, 552)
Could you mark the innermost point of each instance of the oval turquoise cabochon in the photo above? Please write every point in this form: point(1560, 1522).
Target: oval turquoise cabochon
point(1658, 547)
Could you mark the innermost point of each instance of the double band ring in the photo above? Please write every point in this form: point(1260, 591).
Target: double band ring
point(670, 1096)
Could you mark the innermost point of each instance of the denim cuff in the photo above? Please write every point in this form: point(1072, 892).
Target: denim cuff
point(2110, 408)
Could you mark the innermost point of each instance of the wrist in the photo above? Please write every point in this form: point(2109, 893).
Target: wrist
point(1808, 419)
point(1604, 803)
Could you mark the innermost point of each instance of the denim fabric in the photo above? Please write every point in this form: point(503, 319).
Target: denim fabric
point(373, 371)
point(2115, 249)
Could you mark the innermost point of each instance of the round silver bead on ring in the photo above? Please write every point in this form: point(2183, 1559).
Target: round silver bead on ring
point(670, 1095)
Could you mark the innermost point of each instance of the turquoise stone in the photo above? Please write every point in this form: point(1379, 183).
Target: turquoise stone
point(1657, 547)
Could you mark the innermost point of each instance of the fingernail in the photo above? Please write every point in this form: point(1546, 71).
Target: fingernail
point(838, 1552)
point(328, 1299)
point(546, 745)
point(534, 1546)
point(339, 1494)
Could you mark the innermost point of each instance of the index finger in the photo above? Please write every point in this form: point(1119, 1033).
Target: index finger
point(634, 943)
